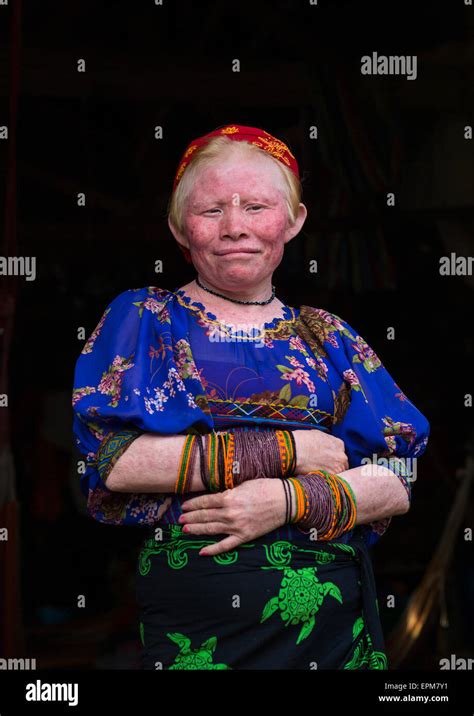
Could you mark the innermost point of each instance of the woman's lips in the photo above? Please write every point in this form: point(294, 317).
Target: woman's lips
point(238, 251)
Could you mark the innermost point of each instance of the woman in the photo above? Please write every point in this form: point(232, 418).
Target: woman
point(245, 435)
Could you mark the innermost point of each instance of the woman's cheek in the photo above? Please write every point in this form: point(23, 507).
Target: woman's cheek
point(270, 231)
point(277, 254)
point(200, 234)
point(269, 226)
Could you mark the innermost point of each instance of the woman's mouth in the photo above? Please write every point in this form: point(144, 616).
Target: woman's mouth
point(233, 252)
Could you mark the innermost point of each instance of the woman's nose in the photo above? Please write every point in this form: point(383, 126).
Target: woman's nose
point(233, 222)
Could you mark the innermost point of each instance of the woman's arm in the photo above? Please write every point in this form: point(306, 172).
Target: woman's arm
point(151, 464)
point(378, 491)
point(257, 507)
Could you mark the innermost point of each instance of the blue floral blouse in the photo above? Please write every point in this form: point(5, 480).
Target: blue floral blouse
point(159, 362)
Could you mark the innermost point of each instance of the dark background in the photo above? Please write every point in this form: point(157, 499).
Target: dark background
point(93, 132)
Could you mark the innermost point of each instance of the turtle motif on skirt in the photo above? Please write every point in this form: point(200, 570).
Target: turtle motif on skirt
point(300, 597)
point(200, 658)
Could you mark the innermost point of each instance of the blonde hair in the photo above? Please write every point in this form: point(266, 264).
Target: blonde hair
point(210, 153)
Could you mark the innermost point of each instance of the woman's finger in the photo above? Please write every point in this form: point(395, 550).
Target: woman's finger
point(197, 503)
point(206, 515)
point(224, 545)
point(205, 528)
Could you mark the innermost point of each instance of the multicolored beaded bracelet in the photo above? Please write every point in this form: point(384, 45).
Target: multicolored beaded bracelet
point(324, 501)
point(228, 458)
point(186, 465)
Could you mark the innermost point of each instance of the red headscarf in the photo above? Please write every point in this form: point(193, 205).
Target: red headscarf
point(258, 137)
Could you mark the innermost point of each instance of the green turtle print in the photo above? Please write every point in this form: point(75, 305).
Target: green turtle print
point(364, 652)
point(200, 658)
point(300, 597)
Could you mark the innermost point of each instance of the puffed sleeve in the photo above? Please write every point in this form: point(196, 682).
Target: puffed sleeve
point(374, 418)
point(132, 376)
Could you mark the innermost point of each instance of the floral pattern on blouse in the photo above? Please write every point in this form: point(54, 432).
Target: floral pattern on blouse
point(162, 364)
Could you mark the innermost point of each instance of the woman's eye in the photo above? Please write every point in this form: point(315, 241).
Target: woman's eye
point(252, 207)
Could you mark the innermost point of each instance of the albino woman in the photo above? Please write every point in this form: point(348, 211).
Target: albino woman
point(263, 447)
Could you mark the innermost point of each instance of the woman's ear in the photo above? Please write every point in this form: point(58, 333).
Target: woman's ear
point(294, 229)
point(182, 241)
point(180, 238)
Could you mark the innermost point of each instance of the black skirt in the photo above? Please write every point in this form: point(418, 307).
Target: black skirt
point(269, 604)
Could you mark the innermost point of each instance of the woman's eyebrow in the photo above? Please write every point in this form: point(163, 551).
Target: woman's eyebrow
point(206, 202)
point(243, 199)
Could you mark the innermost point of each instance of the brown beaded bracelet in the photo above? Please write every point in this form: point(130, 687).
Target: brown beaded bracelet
point(324, 502)
point(228, 458)
point(263, 454)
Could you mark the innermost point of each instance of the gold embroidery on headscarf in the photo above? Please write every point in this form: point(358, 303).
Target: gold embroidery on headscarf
point(279, 142)
point(190, 150)
point(275, 148)
point(180, 171)
point(185, 161)
point(229, 130)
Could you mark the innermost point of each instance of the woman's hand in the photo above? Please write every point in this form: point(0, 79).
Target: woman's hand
point(246, 512)
point(316, 450)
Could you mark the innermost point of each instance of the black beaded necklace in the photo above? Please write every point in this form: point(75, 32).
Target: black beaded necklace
point(236, 300)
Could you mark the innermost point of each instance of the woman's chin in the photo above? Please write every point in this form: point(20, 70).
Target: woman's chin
point(239, 280)
point(247, 271)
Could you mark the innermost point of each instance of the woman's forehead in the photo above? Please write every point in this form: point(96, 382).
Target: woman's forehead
point(220, 199)
point(235, 193)
point(242, 177)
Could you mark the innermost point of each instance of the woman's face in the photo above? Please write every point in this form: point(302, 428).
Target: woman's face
point(236, 222)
